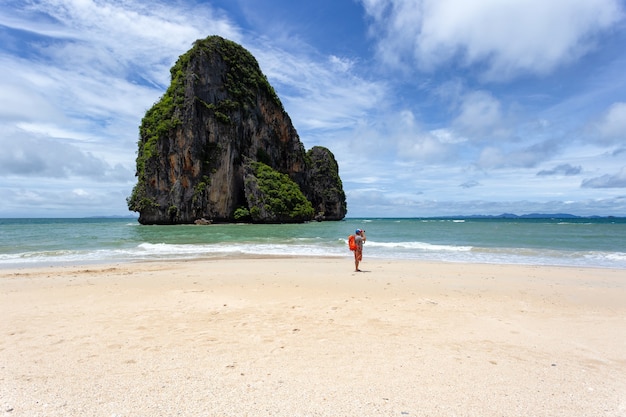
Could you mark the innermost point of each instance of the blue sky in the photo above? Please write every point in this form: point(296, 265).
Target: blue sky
point(431, 107)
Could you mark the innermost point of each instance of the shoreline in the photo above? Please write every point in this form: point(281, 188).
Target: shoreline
point(295, 336)
point(4, 268)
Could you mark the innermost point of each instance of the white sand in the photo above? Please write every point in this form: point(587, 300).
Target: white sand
point(309, 337)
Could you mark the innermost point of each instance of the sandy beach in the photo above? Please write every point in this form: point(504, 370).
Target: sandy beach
point(309, 337)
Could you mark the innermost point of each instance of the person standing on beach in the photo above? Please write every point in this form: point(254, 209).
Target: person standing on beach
point(359, 239)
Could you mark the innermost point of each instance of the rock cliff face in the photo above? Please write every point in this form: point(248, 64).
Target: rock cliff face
point(218, 116)
point(324, 188)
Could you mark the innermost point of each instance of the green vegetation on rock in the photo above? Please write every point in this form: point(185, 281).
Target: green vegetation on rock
point(242, 214)
point(156, 125)
point(277, 196)
point(244, 77)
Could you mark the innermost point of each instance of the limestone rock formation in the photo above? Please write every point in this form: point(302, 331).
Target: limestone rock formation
point(219, 115)
point(324, 188)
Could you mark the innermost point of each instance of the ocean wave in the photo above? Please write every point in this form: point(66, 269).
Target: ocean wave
point(421, 246)
point(541, 256)
point(228, 249)
point(307, 247)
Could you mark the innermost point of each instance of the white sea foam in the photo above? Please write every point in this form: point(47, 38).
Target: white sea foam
point(422, 246)
point(317, 247)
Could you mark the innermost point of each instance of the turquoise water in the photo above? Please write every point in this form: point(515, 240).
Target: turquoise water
point(573, 242)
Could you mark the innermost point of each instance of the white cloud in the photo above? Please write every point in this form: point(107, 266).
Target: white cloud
point(505, 38)
point(617, 180)
point(320, 95)
point(80, 192)
point(390, 141)
point(525, 157)
point(341, 64)
point(425, 148)
point(480, 114)
point(51, 198)
point(21, 101)
point(612, 127)
point(117, 37)
point(447, 136)
point(29, 155)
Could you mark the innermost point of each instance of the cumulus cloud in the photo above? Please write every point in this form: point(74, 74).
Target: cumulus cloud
point(563, 169)
point(607, 181)
point(23, 99)
point(410, 141)
point(424, 147)
point(504, 38)
point(480, 114)
point(527, 157)
point(28, 156)
point(612, 127)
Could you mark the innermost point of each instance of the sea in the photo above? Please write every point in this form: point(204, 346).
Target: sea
point(579, 242)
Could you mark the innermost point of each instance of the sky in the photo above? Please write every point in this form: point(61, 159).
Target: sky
point(431, 107)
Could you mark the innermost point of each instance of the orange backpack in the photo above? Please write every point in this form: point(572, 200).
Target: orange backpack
point(351, 242)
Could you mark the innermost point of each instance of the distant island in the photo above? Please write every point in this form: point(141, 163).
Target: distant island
point(508, 216)
point(525, 216)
